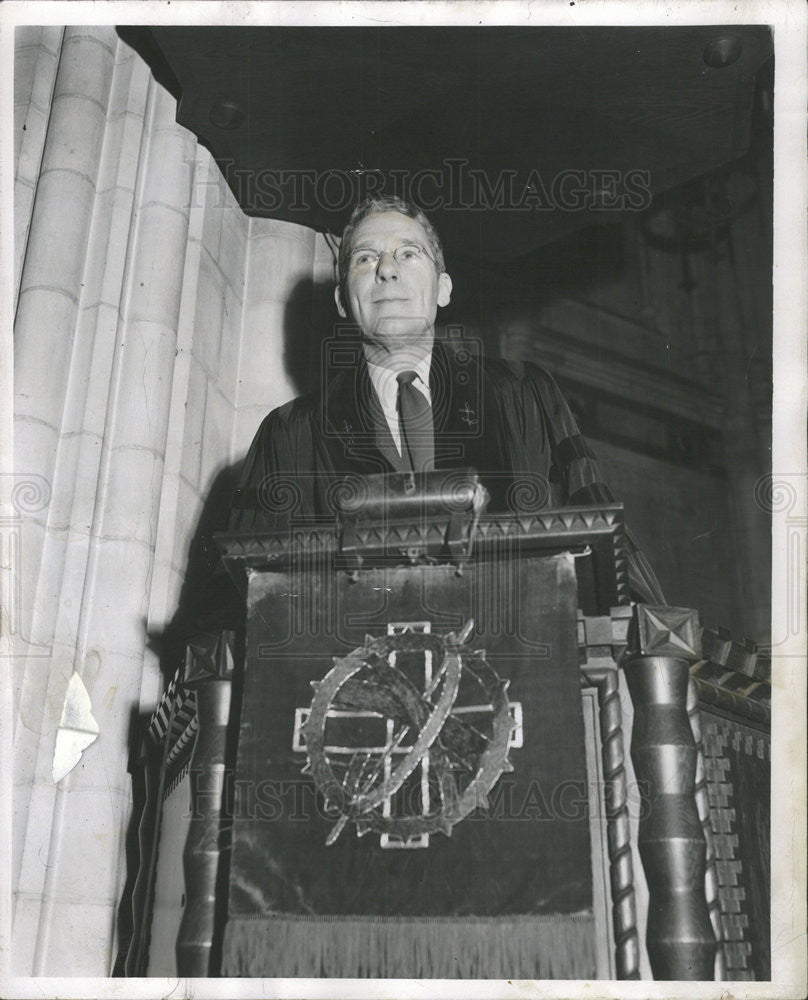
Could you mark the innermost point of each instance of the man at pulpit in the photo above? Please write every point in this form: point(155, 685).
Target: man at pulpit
point(398, 399)
point(389, 697)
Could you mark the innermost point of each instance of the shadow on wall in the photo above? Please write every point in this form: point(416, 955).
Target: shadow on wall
point(309, 319)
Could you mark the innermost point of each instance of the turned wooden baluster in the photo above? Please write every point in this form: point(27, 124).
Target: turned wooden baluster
point(703, 806)
point(663, 642)
point(599, 639)
point(208, 669)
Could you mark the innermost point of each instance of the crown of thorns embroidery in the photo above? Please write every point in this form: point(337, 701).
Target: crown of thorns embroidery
point(462, 750)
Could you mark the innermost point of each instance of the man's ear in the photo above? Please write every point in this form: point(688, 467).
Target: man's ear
point(338, 299)
point(444, 289)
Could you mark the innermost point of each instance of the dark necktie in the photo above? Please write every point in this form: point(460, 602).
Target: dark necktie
point(417, 433)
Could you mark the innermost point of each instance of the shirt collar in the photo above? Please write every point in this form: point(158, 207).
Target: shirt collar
point(386, 386)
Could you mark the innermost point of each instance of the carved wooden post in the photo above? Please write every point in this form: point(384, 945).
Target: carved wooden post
point(151, 763)
point(598, 640)
point(208, 669)
point(680, 940)
point(703, 807)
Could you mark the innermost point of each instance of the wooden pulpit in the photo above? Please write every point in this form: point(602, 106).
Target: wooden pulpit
point(402, 779)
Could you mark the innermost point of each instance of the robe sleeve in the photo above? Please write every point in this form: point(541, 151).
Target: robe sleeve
point(279, 475)
point(271, 486)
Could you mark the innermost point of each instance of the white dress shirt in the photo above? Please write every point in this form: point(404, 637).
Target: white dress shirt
point(385, 385)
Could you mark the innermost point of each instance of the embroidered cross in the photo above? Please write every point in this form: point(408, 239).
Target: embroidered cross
point(372, 734)
point(467, 415)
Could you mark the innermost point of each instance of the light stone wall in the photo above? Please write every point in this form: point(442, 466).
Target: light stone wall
point(36, 56)
point(148, 346)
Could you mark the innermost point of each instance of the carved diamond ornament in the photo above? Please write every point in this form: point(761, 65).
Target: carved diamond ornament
point(665, 631)
point(407, 759)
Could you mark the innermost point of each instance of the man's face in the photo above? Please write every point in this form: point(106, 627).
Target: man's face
point(394, 303)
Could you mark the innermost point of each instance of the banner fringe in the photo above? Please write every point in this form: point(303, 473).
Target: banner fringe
point(523, 948)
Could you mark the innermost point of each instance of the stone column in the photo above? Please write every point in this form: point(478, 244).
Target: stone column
point(50, 299)
point(92, 580)
point(51, 283)
point(36, 59)
point(115, 603)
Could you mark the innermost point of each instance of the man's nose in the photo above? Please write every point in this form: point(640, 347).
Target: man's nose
point(387, 267)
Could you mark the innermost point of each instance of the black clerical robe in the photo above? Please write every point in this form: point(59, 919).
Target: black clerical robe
point(514, 428)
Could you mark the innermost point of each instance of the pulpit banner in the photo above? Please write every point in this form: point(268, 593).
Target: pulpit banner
point(410, 795)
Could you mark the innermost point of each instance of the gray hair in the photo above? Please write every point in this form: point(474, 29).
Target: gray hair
point(386, 203)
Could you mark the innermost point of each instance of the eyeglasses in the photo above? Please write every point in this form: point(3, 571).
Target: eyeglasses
point(405, 255)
